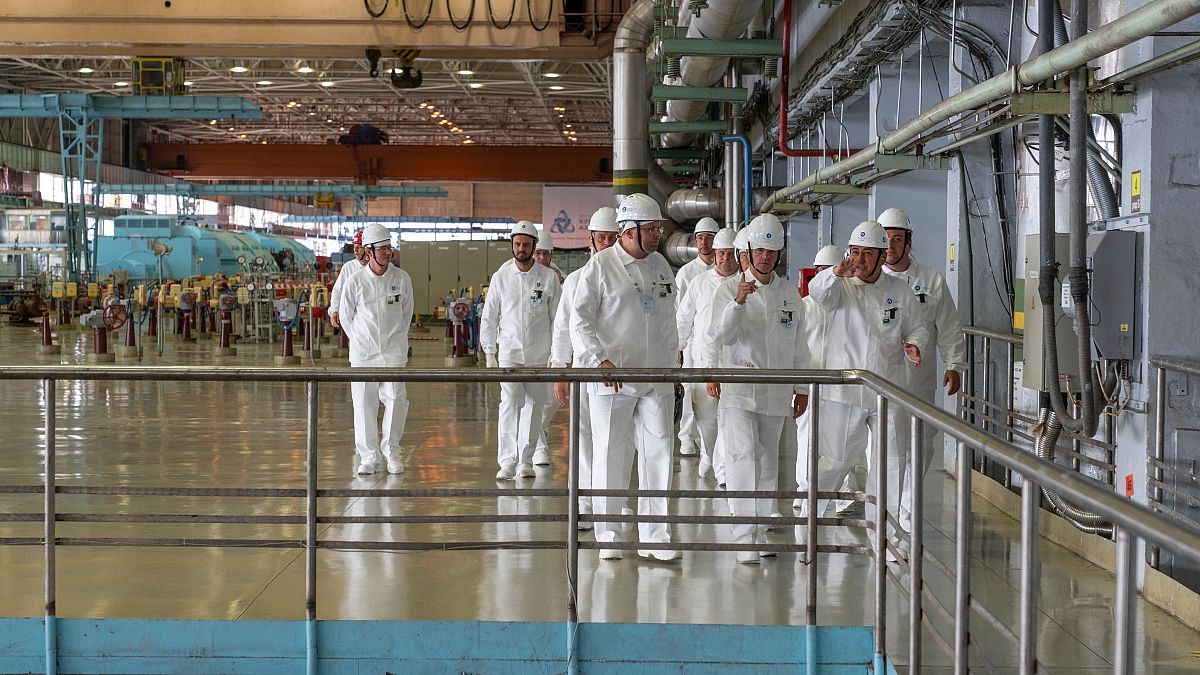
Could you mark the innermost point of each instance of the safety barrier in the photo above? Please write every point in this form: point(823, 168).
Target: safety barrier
point(1132, 521)
point(1163, 479)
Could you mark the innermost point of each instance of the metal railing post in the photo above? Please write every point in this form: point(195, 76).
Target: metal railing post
point(881, 408)
point(1124, 648)
point(50, 392)
point(962, 562)
point(573, 533)
point(1009, 420)
point(810, 552)
point(310, 534)
point(986, 395)
point(1029, 575)
point(915, 580)
point(1160, 432)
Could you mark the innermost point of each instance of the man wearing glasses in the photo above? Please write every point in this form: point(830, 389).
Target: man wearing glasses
point(376, 310)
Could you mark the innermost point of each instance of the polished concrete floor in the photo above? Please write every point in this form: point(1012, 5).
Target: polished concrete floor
point(252, 435)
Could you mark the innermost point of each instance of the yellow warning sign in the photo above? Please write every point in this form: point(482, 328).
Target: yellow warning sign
point(1135, 192)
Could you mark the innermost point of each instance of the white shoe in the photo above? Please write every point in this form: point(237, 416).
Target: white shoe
point(585, 525)
point(506, 472)
point(626, 511)
point(610, 554)
point(395, 466)
point(526, 471)
point(797, 504)
point(775, 528)
point(766, 554)
point(688, 448)
point(661, 556)
point(367, 468)
point(541, 458)
point(747, 557)
point(706, 469)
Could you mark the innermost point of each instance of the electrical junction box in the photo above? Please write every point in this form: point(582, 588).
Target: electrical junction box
point(1033, 375)
point(1115, 260)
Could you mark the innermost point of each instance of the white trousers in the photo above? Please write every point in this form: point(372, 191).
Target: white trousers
point(547, 416)
point(704, 408)
point(688, 433)
point(650, 416)
point(846, 433)
point(366, 397)
point(520, 423)
point(752, 444)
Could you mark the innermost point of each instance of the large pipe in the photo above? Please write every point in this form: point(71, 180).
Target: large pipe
point(747, 161)
point(1139, 23)
point(695, 203)
point(631, 137)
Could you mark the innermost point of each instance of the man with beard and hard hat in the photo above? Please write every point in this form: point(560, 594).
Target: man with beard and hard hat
point(514, 332)
point(543, 253)
point(625, 318)
point(376, 310)
point(764, 327)
point(348, 269)
point(695, 318)
point(940, 317)
point(705, 231)
point(814, 325)
point(870, 325)
point(602, 234)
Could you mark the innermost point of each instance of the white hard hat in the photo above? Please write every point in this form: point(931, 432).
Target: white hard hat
point(637, 208)
point(544, 241)
point(707, 225)
point(724, 238)
point(766, 232)
point(869, 234)
point(603, 220)
point(374, 233)
point(828, 256)
point(894, 218)
point(524, 227)
point(742, 239)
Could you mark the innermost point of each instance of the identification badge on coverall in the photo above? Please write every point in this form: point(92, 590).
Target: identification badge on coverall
point(889, 312)
point(649, 303)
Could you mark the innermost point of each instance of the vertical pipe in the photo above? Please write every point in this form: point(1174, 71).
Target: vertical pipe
point(50, 392)
point(310, 534)
point(1124, 647)
point(810, 551)
point(573, 533)
point(915, 580)
point(1160, 431)
point(1009, 403)
point(962, 561)
point(1029, 576)
point(881, 412)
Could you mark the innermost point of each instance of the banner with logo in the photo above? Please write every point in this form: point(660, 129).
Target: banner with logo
point(566, 210)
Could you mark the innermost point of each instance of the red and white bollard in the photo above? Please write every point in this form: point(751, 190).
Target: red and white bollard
point(130, 350)
point(48, 346)
point(223, 348)
point(287, 357)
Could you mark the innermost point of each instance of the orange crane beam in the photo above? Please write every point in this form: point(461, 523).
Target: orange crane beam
point(370, 163)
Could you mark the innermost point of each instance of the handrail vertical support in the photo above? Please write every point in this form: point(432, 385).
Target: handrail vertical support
point(1160, 432)
point(1124, 647)
point(986, 397)
point(573, 534)
point(881, 433)
point(915, 567)
point(310, 534)
point(1009, 420)
point(1029, 575)
point(810, 552)
point(50, 392)
point(962, 561)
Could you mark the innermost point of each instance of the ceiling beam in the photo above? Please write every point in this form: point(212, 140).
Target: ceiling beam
point(246, 161)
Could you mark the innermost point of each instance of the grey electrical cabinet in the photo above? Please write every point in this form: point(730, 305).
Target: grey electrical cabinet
point(1033, 375)
point(414, 259)
point(1115, 261)
point(472, 264)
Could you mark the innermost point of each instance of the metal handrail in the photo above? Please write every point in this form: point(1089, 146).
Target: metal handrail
point(1010, 338)
point(1154, 477)
point(1133, 521)
point(1176, 364)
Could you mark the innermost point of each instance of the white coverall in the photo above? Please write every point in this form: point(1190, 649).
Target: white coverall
point(767, 331)
point(625, 314)
point(867, 328)
point(562, 353)
point(518, 316)
point(349, 269)
point(940, 317)
point(375, 311)
point(688, 433)
point(695, 317)
point(815, 329)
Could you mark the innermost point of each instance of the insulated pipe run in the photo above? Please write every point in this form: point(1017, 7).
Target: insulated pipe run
point(1139, 23)
point(747, 173)
point(1047, 431)
point(631, 137)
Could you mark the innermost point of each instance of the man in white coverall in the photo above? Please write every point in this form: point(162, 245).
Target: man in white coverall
point(705, 232)
point(871, 325)
point(764, 328)
point(376, 310)
point(814, 326)
point(543, 253)
point(349, 268)
point(602, 234)
point(940, 316)
point(514, 332)
point(625, 318)
point(695, 318)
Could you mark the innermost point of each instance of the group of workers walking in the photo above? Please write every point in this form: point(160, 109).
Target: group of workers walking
point(875, 308)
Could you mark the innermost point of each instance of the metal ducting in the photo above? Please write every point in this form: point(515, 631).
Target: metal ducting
point(631, 138)
point(696, 203)
point(679, 248)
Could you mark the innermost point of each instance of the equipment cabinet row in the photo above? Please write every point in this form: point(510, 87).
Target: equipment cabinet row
point(439, 269)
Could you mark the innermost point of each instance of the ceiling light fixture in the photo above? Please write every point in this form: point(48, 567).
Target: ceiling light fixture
point(187, 83)
point(292, 104)
point(85, 70)
point(264, 82)
point(559, 108)
point(239, 69)
point(466, 72)
point(443, 122)
point(556, 87)
point(231, 128)
point(423, 105)
point(304, 70)
point(568, 126)
point(120, 84)
point(456, 130)
point(327, 83)
point(467, 141)
point(241, 135)
point(551, 75)
point(212, 122)
point(475, 85)
point(329, 121)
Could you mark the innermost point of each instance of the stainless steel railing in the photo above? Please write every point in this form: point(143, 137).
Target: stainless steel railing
point(1133, 521)
point(1157, 485)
